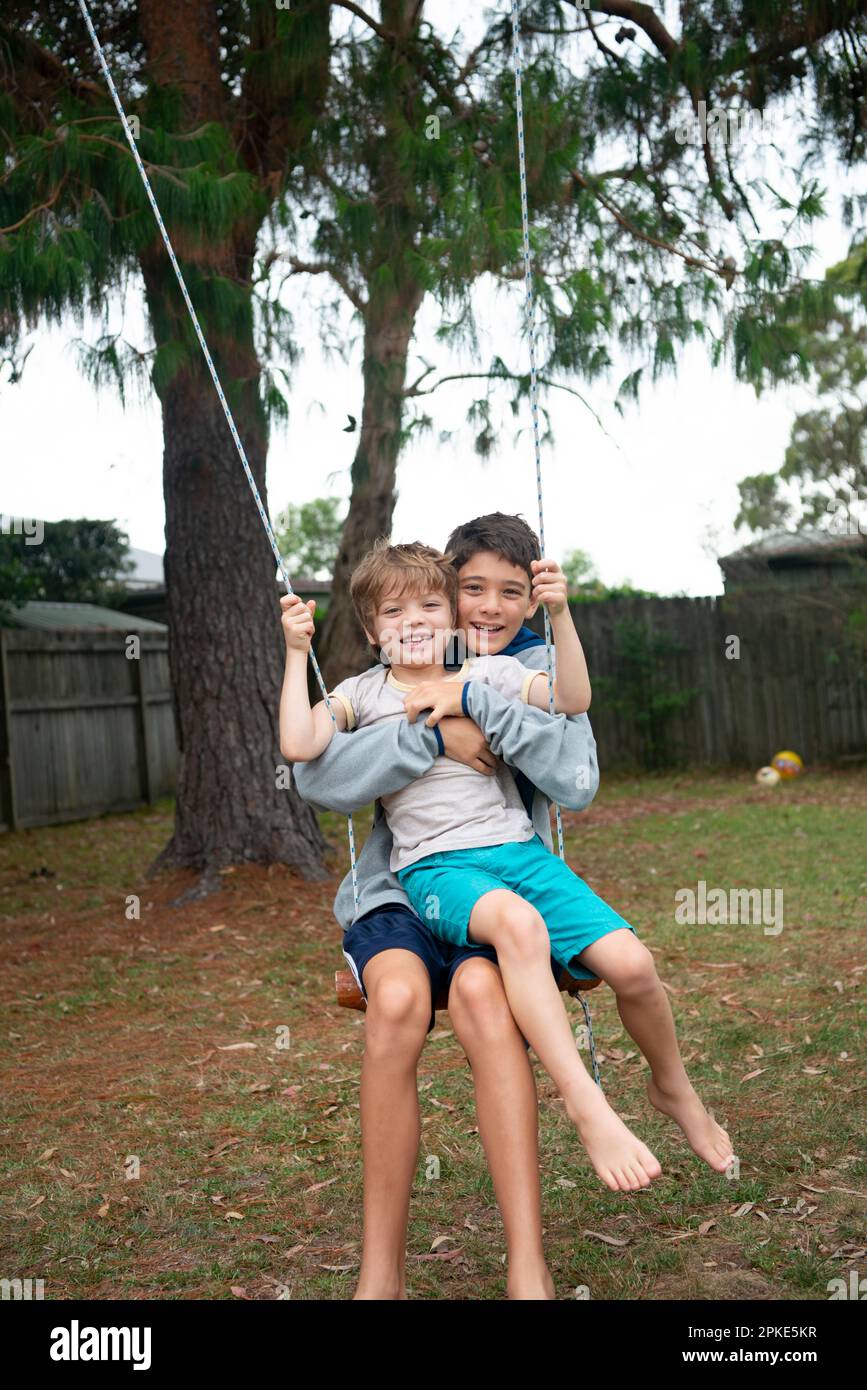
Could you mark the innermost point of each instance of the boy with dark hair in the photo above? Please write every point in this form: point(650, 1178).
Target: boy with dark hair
point(507, 537)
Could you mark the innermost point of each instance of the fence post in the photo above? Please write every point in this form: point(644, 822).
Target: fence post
point(7, 771)
point(143, 725)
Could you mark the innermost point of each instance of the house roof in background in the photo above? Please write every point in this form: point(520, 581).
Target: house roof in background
point(38, 615)
point(808, 544)
point(148, 572)
point(301, 585)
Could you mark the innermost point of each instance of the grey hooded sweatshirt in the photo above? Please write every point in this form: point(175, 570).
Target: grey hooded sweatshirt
point(555, 753)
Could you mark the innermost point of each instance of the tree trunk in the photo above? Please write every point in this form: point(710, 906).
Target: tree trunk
point(225, 642)
point(388, 330)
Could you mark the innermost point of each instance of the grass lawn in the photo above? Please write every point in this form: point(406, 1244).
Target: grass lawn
point(180, 1091)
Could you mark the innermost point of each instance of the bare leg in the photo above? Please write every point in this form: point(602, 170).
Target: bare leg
point(508, 1115)
point(398, 1013)
point(642, 1003)
point(521, 941)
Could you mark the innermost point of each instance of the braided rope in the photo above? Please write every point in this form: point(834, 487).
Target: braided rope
point(82, 5)
point(530, 316)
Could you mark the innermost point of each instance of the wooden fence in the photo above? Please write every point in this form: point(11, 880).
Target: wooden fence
point(771, 669)
point(84, 729)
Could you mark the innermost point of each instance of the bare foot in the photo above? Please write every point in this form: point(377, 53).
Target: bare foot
point(620, 1159)
point(708, 1139)
point(530, 1285)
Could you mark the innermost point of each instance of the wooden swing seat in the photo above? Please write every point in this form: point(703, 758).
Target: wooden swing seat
point(349, 996)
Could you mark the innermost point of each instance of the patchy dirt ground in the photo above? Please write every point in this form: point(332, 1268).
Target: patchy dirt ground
point(180, 1111)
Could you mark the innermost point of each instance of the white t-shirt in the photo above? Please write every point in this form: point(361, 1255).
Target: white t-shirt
point(451, 806)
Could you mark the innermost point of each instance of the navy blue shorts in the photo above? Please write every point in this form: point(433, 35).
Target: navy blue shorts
point(396, 926)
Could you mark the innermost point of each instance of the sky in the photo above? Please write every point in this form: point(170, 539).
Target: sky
point(651, 497)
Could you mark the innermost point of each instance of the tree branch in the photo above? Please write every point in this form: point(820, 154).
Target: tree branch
point(46, 64)
point(371, 23)
point(445, 94)
point(817, 25)
point(643, 17)
point(411, 390)
point(740, 192)
point(491, 40)
point(724, 272)
point(710, 165)
point(499, 376)
point(43, 207)
point(324, 268)
point(609, 53)
point(162, 169)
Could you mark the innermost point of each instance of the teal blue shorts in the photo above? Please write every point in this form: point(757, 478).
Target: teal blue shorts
point(444, 888)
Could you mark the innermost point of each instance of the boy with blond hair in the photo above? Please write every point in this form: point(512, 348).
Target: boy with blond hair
point(403, 970)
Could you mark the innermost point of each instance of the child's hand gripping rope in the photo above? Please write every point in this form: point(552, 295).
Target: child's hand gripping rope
point(571, 681)
point(549, 586)
point(297, 622)
point(304, 732)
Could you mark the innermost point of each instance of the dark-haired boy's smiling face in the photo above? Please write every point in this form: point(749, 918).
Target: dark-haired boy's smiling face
point(493, 602)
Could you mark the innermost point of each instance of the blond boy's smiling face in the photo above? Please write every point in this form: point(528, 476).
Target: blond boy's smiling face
point(412, 630)
point(493, 602)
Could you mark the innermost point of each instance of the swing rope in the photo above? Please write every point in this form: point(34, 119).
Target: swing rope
point(534, 396)
point(530, 319)
point(82, 5)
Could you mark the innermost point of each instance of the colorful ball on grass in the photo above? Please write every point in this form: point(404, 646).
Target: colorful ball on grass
point(787, 763)
point(767, 777)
